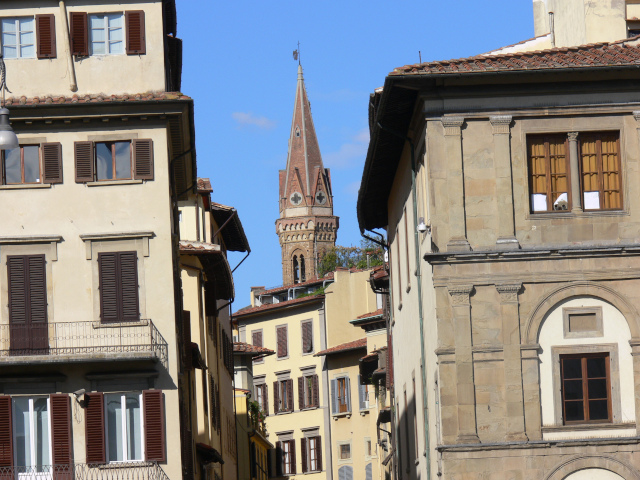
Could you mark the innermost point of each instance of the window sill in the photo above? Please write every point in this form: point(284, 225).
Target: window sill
point(114, 182)
point(364, 411)
point(127, 464)
point(25, 186)
point(588, 427)
point(570, 214)
point(282, 358)
point(284, 413)
point(336, 416)
point(101, 324)
point(315, 407)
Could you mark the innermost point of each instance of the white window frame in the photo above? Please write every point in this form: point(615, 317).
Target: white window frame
point(106, 17)
point(32, 472)
point(123, 428)
point(19, 46)
point(286, 453)
point(313, 467)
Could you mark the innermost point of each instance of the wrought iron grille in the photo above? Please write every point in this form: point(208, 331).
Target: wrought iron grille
point(83, 338)
point(82, 471)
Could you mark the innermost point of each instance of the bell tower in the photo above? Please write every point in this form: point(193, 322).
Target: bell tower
point(307, 226)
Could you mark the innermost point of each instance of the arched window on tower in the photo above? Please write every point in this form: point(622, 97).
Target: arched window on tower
point(296, 270)
point(302, 270)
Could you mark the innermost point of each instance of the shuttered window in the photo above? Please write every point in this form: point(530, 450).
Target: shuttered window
point(108, 33)
point(256, 341)
point(308, 395)
point(307, 337)
point(549, 178)
point(118, 273)
point(311, 453)
point(18, 40)
point(288, 449)
point(79, 34)
point(61, 439)
point(6, 432)
point(32, 164)
point(46, 36)
point(340, 395)
point(363, 395)
point(282, 341)
point(212, 400)
point(283, 396)
point(154, 426)
point(601, 172)
point(136, 42)
point(94, 428)
point(107, 161)
point(27, 290)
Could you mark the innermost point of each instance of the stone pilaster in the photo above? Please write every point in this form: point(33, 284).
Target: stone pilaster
point(466, 395)
point(455, 184)
point(576, 197)
point(501, 125)
point(531, 389)
point(635, 352)
point(509, 310)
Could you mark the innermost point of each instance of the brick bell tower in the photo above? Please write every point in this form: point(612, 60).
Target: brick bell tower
point(307, 226)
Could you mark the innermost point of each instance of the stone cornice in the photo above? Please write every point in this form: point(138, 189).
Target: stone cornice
point(501, 124)
point(452, 125)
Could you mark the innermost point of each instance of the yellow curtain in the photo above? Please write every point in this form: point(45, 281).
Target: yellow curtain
point(610, 172)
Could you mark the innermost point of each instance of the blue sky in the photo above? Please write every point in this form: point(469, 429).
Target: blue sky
point(238, 68)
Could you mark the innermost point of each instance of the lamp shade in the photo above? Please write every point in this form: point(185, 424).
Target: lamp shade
point(8, 138)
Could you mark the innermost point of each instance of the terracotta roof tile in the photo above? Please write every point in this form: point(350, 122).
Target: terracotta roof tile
point(96, 98)
point(248, 349)
point(274, 306)
point(345, 347)
point(621, 53)
point(187, 246)
point(372, 314)
point(204, 185)
point(311, 281)
point(371, 356)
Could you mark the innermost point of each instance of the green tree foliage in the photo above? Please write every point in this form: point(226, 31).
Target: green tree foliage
point(368, 254)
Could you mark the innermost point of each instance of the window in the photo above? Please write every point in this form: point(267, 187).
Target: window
point(311, 448)
point(600, 167)
point(19, 37)
point(586, 388)
point(286, 451)
point(32, 164)
point(282, 341)
point(396, 268)
point(307, 337)
point(32, 438)
point(283, 396)
point(406, 244)
point(341, 401)
point(345, 472)
point(124, 426)
point(549, 173)
point(363, 395)
point(345, 451)
point(308, 396)
point(104, 161)
point(262, 393)
point(106, 34)
point(27, 291)
point(598, 164)
point(118, 276)
point(256, 340)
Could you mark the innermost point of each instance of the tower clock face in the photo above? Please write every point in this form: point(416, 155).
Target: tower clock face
point(295, 198)
point(321, 198)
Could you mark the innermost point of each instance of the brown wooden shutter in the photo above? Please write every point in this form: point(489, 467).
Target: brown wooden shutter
point(136, 42)
point(6, 432)
point(303, 454)
point(79, 34)
point(94, 427)
point(307, 339)
point(37, 289)
point(154, 435)
point(316, 392)
point(129, 286)
point(265, 396)
point(143, 159)
point(281, 336)
point(218, 408)
point(84, 161)
point(318, 444)
point(51, 163)
point(290, 395)
point(292, 449)
point(107, 266)
point(212, 401)
point(276, 398)
point(256, 338)
point(61, 439)
point(186, 340)
point(17, 288)
point(279, 459)
point(46, 36)
point(301, 393)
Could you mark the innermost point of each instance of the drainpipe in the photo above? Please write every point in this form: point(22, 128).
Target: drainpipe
point(73, 83)
point(423, 366)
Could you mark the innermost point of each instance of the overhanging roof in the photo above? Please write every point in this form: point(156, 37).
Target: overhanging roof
point(233, 232)
point(215, 264)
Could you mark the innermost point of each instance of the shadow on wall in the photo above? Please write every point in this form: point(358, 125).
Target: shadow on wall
point(407, 456)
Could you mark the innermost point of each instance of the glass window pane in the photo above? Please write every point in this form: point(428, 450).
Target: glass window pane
point(9, 52)
point(98, 48)
point(115, 20)
point(571, 368)
point(26, 38)
point(12, 170)
point(27, 24)
point(114, 428)
point(41, 433)
point(598, 388)
point(31, 164)
point(596, 367)
point(574, 411)
point(8, 25)
point(104, 162)
point(21, 431)
point(598, 410)
point(28, 51)
point(134, 427)
point(98, 35)
point(96, 21)
point(573, 390)
point(116, 48)
point(123, 159)
point(115, 35)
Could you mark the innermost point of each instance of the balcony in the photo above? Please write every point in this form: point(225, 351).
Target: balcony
point(73, 342)
point(81, 471)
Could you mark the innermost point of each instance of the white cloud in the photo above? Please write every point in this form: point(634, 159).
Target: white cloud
point(349, 153)
point(248, 118)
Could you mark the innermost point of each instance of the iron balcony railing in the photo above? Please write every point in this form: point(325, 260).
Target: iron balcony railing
point(82, 471)
point(83, 340)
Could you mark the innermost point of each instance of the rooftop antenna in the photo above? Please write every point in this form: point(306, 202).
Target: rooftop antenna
point(420, 55)
point(296, 54)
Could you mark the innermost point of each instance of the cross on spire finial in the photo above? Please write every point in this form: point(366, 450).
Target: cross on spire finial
point(296, 54)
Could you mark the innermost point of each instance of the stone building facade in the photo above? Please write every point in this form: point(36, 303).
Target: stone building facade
point(306, 227)
point(507, 186)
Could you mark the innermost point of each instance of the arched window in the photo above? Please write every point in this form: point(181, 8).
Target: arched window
point(302, 269)
point(296, 270)
point(345, 473)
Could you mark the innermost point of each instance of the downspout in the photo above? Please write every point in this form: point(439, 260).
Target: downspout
point(423, 366)
point(73, 83)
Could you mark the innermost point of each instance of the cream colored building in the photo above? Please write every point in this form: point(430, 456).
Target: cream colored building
point(507, 187)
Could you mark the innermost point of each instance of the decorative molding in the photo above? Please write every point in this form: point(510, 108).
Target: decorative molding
point(509, 292)
point(573, 136)
point(501, 124)
point(460, 294)
point(636, 115)
point(89, 238)
point(452, 125)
